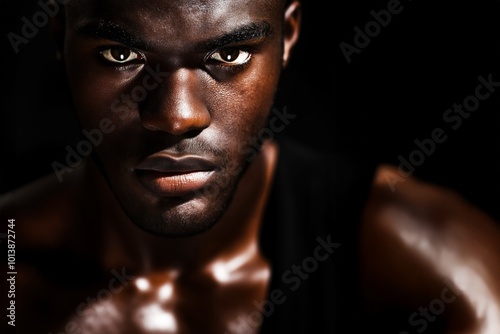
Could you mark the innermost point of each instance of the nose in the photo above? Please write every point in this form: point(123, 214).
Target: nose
point(177, 105)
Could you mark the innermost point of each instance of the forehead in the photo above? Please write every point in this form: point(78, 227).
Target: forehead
point(176, 20)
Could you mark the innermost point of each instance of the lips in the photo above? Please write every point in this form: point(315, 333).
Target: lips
point(170, 176)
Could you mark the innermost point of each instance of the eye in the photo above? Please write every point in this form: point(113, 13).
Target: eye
point(231, 56)
point(121, 55)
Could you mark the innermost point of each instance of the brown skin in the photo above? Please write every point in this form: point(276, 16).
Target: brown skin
point(203, 107)
point(206, 109)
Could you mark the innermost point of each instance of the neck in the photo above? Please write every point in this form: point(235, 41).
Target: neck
point(234, 236)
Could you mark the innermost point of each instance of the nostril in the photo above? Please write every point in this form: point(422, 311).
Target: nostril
point(192, 133)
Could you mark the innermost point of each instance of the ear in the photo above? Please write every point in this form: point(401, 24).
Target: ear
point(57, 28)
point(293, 17)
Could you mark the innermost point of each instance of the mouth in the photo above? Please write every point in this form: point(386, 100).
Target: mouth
point(170, 176)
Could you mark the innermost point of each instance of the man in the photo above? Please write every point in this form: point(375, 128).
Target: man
point(190, 219)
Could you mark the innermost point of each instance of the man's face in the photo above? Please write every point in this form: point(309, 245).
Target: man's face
point(185, 85)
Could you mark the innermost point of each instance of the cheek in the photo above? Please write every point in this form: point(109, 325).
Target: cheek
point(95, 88)
point(241, 107)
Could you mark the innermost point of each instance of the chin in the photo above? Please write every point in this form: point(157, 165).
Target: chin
point(175, 216)
point(176, 219)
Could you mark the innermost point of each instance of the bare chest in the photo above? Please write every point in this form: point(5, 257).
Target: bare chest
point(217, 301)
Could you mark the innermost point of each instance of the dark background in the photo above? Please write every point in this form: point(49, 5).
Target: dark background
point(394, 91)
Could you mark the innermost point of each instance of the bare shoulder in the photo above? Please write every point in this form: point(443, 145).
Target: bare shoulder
point(427, 248)
point(413, 208)
point(427, 205)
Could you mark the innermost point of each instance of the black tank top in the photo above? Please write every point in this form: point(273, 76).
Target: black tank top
point(310, 235)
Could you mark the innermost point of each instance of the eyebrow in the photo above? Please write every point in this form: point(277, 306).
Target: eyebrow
point(104, 29)
point(241, 34)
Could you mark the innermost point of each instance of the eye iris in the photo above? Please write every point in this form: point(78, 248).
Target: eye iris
point(120, 54)
point(229, 54)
